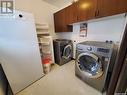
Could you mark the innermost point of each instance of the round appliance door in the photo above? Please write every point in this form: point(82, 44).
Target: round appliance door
point(90, 65)
point(67, 52)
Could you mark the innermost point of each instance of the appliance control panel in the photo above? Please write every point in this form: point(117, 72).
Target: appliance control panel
point(103, 50)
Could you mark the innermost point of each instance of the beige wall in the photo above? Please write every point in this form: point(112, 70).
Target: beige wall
point(42, 11)
point(59, 3)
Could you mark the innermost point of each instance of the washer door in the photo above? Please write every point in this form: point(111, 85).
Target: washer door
point(67, 52)
point(90, 65)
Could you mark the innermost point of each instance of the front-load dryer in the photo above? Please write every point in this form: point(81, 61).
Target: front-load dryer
point(93, 60)
point(63, 51)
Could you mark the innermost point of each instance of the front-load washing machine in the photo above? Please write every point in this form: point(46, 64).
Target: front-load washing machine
point(93, 60)
point(63, 51)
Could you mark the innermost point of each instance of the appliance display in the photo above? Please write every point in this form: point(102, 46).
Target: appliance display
point(19, 50)
point(103, 50)
point(93, 60)
point(63, 51)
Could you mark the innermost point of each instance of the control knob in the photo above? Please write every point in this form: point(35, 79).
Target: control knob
point(89, 48)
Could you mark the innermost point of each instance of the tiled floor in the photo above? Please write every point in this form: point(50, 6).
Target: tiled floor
point(60, 81)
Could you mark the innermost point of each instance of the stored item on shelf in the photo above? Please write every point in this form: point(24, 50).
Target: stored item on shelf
point(46, 47)
point(46, 65)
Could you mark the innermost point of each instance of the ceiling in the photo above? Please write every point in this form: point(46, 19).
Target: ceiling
point(59, 3)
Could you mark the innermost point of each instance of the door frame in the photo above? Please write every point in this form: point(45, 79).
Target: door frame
point(119, 64)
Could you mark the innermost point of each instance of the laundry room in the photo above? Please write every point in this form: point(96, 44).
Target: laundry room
point(63, 47)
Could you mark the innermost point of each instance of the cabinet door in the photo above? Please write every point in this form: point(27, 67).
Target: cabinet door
point(111, 7)
point(60, 22)
point(86, 9)
point(71, 14)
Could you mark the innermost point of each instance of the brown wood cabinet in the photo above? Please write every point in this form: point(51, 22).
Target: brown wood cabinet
point(86, 9)
point(111, 7)
point(71, 14)
point(60, 22)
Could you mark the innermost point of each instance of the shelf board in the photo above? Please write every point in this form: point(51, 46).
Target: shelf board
point(42, 26)
point(44, 43)
point(39, 33)
point(47, 52)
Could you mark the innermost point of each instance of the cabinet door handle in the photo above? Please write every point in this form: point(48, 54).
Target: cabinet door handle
point(77, 18)
point(97, 12)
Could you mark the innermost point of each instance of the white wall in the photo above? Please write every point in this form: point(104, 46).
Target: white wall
point(109, 28)
point(43, 12)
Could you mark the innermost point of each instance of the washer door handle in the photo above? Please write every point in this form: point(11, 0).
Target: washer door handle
point(64, 56)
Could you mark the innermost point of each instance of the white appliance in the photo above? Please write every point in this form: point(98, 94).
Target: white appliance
point(19, 50)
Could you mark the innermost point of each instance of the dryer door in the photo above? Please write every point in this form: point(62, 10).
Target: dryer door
point(90, 65)
point(67, 52)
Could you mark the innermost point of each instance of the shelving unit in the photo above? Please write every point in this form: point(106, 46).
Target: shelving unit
point(42, 28)
point(46, 45)
point(45, 42)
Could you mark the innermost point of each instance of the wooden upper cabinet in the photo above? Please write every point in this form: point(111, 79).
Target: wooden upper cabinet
point(71, 14)
point(60, 22)
point(86, 9)
point(122, 6)
point(111, 7)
